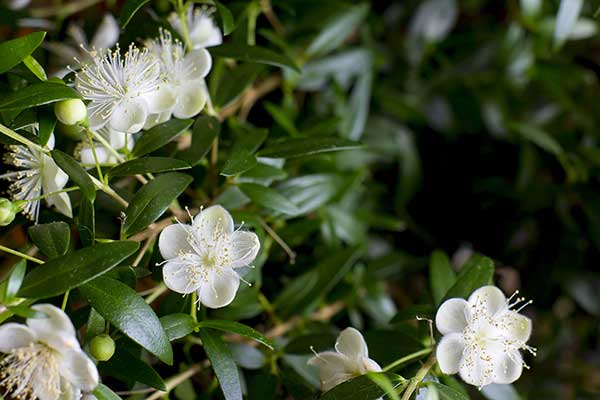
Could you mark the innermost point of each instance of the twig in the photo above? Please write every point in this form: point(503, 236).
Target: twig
point(291, 253)
point(143, 251)
point(414, 382)
point(251, 96)
point(172, 382)
point(266, 8)
point(19, 254)
point(323, 314)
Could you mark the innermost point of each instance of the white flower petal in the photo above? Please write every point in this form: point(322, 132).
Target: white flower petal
point(62, 202)
point(173, 241)
point(53, 178)
point(198, 63)
point(333, 369)
point(46, 383)
point(370, 365)
point(13, 336)
point(77, 368)
point(351, 343)
point(508, 367)
point(129, 115)
point(204, 32)
point(515, 326)
point(213, 222)
point(220, 289)
point(191, 99)
point(86, 155)
point(476, 369)
point(489, 300)
point(155, 119)
point(451, 316)
point(95, 118)
point(177, 278)
point(57, 330)
point(244, 248)
point(118, 140)
point(449, 353)
point(107, 34)
point(162, 99)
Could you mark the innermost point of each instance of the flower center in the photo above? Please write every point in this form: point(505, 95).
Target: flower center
point(22, 367)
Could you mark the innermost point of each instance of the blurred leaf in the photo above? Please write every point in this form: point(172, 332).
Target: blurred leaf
point(413, 311)
point(151, 201)
point(242, 154)
point(362, 388)
point(253, 54)
point(268, 198)
point(355, 117)
point(26, 312)
point(74, 269)
point(540, 138)
point(384, 382)
point(35, 67)
point(477, 272)
point(304, 343)
point(129, 9)
point(36, 95)
point(52, 239)
point(236, 327)
point(223, 364)
point(76, 173)
point(127, 311)
point(226, 18)
point(280, 116)
point(147, 165)
point(310, 192)
point(447, 393)
point(233, 83)
point(568, 12)
point(586, 292)
point(177, 326)
point(13, 284)
point(496, 391)
point(441, 275)
point(247, 356)
point(205, 130)
point(102, 392)
point(158, 136)
point(291, 148)
point(14, 51)
point(125, 365)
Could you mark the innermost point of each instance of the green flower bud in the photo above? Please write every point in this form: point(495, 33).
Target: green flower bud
point(102, 347)
point(8, 211)
point(70, 111)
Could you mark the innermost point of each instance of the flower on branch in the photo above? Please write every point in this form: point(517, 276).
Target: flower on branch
point(203, 32)
point(482, 337)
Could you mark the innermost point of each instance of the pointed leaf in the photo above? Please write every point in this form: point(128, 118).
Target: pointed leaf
point(76, 173)
point(306, 146)
point(477, 272)
point(158, 136)
point(268, 198)
point(14, 51)
point(236, 327)
point(52, 239)
point(129, 9)
point(147, 165)
point(36, 95)
point(223, 364)
point(253, 54)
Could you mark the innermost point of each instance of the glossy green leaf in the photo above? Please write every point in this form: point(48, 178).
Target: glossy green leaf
point(14, 51)
point(476, 272)
point(362, 388)
point(36, 95)
point(447, 393)
point(147, 165)
point(291, 148)
point(151, 201)
point(126, 310)
point(124, 364)
point(236, 327)
point(52, 239)
point(76, 173)
point(253, 54)
point(177, 326)
point(14, 281)
point(226, 18)
point(74, 269)
point(222, 363)
point(129, 9)
point(103, 392)
point(158, 136)
point(385, 383)
point(268, 198)
point(441, 275)
point(34, 66)
point(86, 222)
point(24, 311)
point(204, 132)
point(47, 123)
point(242, 154)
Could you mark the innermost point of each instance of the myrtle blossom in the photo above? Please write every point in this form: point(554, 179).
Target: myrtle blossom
point(118, 141)
point(43, 358)
point(38, 174)
point(202, 30)
point(349, 360)
point(121, 88)
point(482, 337)
point(183, 78)
point(204, 257)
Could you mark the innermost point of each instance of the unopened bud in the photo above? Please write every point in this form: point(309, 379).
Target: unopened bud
point(8, 211)
point(102, 347)
point(70, 111)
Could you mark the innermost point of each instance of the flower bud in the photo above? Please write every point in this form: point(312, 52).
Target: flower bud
point(8, 211)
point(102, 347)
point(70, 111)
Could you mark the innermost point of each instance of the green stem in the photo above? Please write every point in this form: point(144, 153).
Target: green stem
point(108, 147)
point(19, 254)
point(46, 195)
point(156, 292)
point(414, 382)
point(194, 309)
point(93, 147)
point(14, 135)
point(65, 299)
point(109, 191)
point(181, 9)
point(407, 358)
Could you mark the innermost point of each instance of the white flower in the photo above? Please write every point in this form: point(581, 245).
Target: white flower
point(204, 256)
point(43, 358)
point(349, 360)
point(184, 92)
point(119, 88)
point(482, 337)
point(116, 140)
point(38, 174)
point(201, 27)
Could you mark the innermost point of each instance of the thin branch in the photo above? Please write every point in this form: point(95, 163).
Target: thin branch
point(172, 382)
point(291, 253)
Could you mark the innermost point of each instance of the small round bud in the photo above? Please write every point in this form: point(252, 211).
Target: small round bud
point(102, 347)
point(8, 211)
point(70, 111)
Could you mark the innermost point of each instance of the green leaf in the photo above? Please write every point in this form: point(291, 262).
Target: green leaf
point(226, 18)
point(52, 239)
point(125, 309)
point(338, 29)
point(363, 388)
point(74, 269)
point(236, 327)
point(304, 344)
point(129, 9)
point(76, 173)
point(151, 201)
point(15, 279)
point(540, 138)
point(280, 116)
point(124, 364)
point(477, 272)
point(102, 392)
point(233, 83)
point(95, 326)
point(441, 275)
point(26, 312)
point(223, 364)
point(253, 54)
point(447, 393)
point(147, 165)
point(158, 136)
point(385, 384)
point(36, 95)
point(86, 222)
point(34, 66)
point(14, 51)
point(242, 154)
point(268, 198)
point(47, 123)
point(177, 326)
point(291, 148)
point(204, 132)
point(411, 312)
